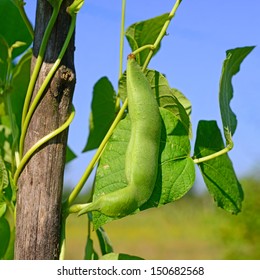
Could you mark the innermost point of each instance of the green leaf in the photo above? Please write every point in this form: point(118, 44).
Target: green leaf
point(176, 172)
point(4, 236)
point(70, 155)
point(167, 97)
point(185, 102)
point(3, 63)
point(143, 33)
point(103, 113)
point(12, 187)
point(218, 173)
point(5, 142)
point(9, 253)
point(90, 253)
point(231, 67)
point(13, 28)
point(3, 175)
point(75, 7)
point(20, 81)
point(2, 206)
point(119, 256)
point(104, 242)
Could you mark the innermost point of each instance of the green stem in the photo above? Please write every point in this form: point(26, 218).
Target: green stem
point(122, 33)
point(217, 154)
point(38, 144)
point(45, 83)
point(10, 205)
point(9, 109)
point(94, 160)
point(96, 157)
point(28, 111)
point(76, 208)
point(39, 61)
point(20, 7)
point(151, 47)
point(63, 238)
point(121, 50)
point(162, 33)
point(15, 149)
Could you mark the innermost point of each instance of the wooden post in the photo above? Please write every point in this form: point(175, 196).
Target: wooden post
point(38, 212)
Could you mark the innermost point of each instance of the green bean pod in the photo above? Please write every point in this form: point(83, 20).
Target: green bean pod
point(141, 163)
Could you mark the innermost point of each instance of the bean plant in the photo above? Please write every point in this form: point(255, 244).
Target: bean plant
point(137, 143)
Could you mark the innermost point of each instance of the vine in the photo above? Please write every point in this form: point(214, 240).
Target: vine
point(68, 206)
point(28, 111)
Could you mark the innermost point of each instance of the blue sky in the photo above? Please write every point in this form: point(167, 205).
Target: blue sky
point(191, 56)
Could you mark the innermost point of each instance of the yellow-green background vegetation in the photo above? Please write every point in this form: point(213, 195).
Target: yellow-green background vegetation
point(191, 228)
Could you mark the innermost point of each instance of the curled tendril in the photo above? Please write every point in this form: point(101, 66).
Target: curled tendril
point(42, 141)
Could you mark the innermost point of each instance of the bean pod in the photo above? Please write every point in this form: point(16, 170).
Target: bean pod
point(141, 163)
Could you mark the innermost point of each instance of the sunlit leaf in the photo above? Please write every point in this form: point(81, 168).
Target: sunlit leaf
point(13, 28)
point(143, 33)
point(176, 172)
point(104, 242)
point(2, 205)
point(12, 186)
point(119, 256)
point(167, 97)
point(170, 99)
point(9, 253)
point(3, 175)
point(70, 155)
point(4, 236)
point(3, 62)
point(218, 173)
point(20, 81)
point(231, 67)
point(185, 102)
point(90, 253)
point(102, 113)
point(5, 141)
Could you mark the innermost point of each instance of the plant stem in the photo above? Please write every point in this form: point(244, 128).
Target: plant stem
point(63, 238)
point(76, 208)
point(45, 83)
point(151, 47)
point(122, 33)
point(94, 160)
point(38, 144)
point(121, 50)
point(217, 154)
point(96, 157)
point(162, 33)
point(15, 149)
point(38, 63)
point(20, 7)
point(9, 109)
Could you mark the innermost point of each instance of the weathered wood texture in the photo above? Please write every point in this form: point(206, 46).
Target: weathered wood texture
point(40, 184)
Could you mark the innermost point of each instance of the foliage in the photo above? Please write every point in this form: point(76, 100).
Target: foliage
point(102, 114)
point(192, 228)
point(222, 182)
point(242, 235)
point(176, 172)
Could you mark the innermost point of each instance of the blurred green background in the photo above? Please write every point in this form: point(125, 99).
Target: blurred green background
point(191, 228)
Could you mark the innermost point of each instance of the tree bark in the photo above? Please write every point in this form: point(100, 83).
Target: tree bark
point(38, 210)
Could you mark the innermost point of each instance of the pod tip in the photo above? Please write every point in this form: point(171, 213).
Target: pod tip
point(131, 56)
